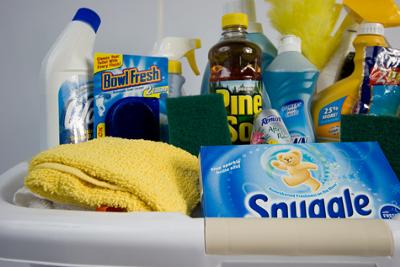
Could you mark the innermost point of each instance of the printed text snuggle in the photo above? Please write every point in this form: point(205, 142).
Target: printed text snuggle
point(344, 206)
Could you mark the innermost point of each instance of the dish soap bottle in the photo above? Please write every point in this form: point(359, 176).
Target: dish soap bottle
point(291, 81)
point(255, 34)
point(342, 97)
point(235, 65)
point(67, 114)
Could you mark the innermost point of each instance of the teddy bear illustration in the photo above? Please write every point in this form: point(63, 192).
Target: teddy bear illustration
point(299, 171)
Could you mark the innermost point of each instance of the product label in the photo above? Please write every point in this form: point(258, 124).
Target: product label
point(294, 116)
point(268, 128)
point(331, 112)
point(329, 117)
point(75, 99)
point(315, 180)
point(242, 99)
point(118, 76)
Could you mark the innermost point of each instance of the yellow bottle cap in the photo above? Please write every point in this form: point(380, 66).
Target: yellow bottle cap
point(174, 66)
point(234, 19)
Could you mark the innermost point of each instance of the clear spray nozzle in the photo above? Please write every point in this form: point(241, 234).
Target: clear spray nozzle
point(175, 48)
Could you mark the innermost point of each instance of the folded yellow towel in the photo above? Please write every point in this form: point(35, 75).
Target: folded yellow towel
point(135, 175)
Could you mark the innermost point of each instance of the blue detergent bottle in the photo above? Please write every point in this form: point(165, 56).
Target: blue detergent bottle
point(290, 84)
point(254, 34)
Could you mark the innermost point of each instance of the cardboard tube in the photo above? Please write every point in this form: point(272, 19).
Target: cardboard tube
point(298, 237)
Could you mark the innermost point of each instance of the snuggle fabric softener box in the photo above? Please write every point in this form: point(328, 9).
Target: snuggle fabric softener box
point(330, 180)
point(130, 89)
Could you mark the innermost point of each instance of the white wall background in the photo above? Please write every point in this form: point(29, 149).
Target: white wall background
point(29, 27)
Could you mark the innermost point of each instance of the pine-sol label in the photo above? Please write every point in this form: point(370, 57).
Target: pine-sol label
point(242, 100)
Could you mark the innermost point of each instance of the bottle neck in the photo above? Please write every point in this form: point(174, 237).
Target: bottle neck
point(360, 43)
point(234, 32)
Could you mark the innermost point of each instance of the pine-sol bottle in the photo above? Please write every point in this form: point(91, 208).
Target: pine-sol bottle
point(235, 66)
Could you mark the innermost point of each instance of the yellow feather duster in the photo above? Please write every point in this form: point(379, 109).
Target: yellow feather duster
point(314, 22)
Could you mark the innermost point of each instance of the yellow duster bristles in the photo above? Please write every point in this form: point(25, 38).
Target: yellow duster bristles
point(314, 22)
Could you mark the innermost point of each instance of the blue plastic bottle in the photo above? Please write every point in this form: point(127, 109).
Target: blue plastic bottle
point(254, 34)
point(290, 84)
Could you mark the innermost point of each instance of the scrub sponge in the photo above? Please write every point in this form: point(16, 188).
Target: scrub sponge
point(195, 121)
point(383, 129)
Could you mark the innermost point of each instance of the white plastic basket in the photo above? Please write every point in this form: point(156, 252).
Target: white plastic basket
point(81, 238)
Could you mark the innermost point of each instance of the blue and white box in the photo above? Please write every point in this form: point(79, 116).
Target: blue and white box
point(327, 180)
point(119, 76)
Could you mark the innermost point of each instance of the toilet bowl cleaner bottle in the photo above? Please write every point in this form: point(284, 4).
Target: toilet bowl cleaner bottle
point(291, 81)
point(66, 73)
point(235, 73)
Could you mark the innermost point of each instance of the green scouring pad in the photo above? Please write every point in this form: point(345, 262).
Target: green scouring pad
point(195, 121)
point(384, 129)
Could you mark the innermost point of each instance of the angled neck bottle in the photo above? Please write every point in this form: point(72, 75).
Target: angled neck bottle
point(66, 76)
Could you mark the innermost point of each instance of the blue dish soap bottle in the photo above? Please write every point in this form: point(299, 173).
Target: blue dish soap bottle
point(254, 34)
point(290, 84)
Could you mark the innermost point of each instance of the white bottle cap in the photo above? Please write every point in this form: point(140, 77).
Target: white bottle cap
point(289, 43)
point(247, 7)
point(371, 28)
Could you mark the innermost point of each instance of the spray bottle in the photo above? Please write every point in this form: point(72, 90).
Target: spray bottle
point(67, 113)
point(175, 48)
point(254, 34)
point(388, 15)
point(342, 97)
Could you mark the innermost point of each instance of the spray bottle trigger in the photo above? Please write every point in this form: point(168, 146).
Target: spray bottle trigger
point(385, 12)
point(190, 56)
point(192, 61)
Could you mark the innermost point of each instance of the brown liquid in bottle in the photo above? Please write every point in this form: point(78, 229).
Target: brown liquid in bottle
point(235, 72)
point(235, 59)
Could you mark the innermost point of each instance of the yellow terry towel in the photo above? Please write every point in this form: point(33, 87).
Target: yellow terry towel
point(135, 175)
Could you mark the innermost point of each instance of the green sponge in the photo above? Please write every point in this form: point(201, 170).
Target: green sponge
point(195, 121)
point(384, 129)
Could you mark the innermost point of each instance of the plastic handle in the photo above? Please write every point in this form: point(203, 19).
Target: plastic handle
point(298, 237)
point(175, 48)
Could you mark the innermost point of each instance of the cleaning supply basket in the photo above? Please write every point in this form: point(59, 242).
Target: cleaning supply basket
point(86, 238)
